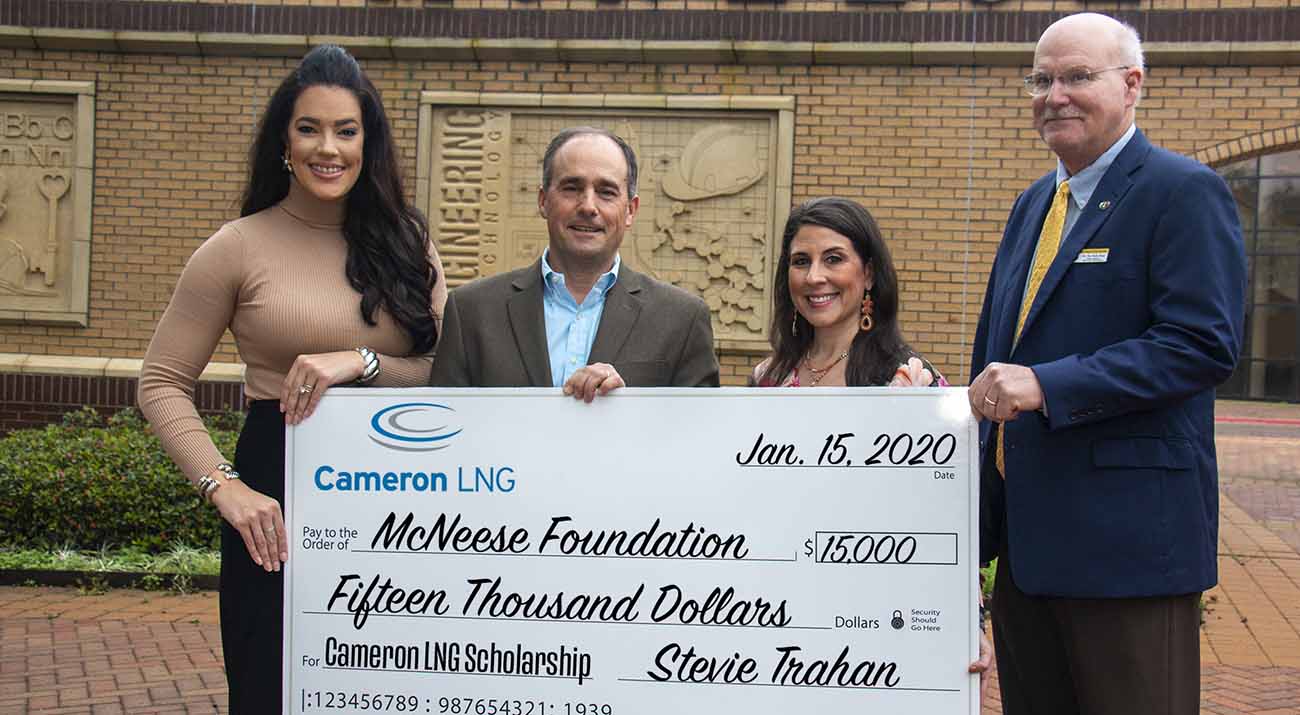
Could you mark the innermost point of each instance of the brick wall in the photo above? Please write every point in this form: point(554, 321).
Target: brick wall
point(812, 21)
point(786, 5)
point(36, 400)
point(938, 153)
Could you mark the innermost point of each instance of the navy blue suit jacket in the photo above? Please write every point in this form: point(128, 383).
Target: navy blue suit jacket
point(1114, 492)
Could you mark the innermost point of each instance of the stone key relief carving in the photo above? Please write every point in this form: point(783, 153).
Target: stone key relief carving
point(18, 259)
point(53, 186)
point(36, 153)
point(705, 216)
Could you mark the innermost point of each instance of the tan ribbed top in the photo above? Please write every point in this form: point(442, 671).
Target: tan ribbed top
point(277, 281)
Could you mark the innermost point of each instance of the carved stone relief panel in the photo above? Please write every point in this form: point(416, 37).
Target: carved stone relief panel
point(46, 160)
point(714, 185)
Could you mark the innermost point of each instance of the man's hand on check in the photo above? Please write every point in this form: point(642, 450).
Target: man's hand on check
point(597, 378)
point(1002, 391)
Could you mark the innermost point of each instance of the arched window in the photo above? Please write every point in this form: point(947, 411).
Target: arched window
point(1268, 198)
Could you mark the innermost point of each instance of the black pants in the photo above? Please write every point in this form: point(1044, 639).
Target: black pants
point(252, 600)
point(1095, 656)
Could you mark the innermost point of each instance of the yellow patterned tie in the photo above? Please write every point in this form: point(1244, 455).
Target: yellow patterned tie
point(1049, 243)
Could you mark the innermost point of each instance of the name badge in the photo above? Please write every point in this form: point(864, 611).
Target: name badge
point(1093, 255)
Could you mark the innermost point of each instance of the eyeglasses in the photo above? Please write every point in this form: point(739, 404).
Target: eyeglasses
point(1039, 84)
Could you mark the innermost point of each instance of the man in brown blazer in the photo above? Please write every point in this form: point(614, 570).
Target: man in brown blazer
point(577, 318)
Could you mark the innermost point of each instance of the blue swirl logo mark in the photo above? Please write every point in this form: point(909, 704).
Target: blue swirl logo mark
point(412, 427)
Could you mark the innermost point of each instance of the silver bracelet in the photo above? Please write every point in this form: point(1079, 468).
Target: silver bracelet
point(206, 486)
point(371, 370)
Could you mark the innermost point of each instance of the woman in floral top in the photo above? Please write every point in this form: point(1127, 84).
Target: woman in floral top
point(835, 312)
point(835, 317)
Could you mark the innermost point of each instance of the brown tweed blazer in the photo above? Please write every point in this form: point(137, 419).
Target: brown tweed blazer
point(494, 334)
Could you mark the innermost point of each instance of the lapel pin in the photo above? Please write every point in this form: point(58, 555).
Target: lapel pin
point(1103, 205)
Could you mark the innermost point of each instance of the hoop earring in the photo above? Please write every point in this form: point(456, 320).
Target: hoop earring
point(867, 307)
point(288, 166)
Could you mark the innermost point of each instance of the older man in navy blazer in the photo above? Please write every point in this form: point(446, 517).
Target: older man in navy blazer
point(1114, 308)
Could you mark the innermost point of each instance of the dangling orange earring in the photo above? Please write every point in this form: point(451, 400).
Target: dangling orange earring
point(867, 307)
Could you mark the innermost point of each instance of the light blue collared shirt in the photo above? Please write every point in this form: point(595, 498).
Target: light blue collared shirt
point(1084, 183)
point(571, 328)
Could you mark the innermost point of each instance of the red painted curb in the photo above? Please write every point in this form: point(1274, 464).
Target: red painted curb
point(1259, 420)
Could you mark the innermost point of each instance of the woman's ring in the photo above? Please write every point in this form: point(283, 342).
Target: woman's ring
point(991, 402)
point(306, 389)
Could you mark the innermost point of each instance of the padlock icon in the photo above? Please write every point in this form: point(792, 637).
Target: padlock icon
point(897, 621)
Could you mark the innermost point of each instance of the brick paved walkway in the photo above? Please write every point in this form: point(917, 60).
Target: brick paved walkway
point(139, 652)
point(1251, 639)
point(121, 652)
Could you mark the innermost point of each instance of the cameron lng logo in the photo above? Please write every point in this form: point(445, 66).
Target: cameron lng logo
point(413, 427)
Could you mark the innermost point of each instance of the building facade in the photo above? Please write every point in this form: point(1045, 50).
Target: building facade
point(125, 130)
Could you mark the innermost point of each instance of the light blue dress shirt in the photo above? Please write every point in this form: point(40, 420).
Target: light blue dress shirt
point(1085, 182)
point(571, 328)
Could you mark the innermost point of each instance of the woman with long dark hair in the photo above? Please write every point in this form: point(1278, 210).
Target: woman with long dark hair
point(328, 278)
point(835, 305)
point(835, 317)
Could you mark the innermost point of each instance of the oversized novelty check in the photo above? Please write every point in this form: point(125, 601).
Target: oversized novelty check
point(684, 551)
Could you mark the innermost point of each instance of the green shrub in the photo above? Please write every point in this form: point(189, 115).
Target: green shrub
point(87, 484)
